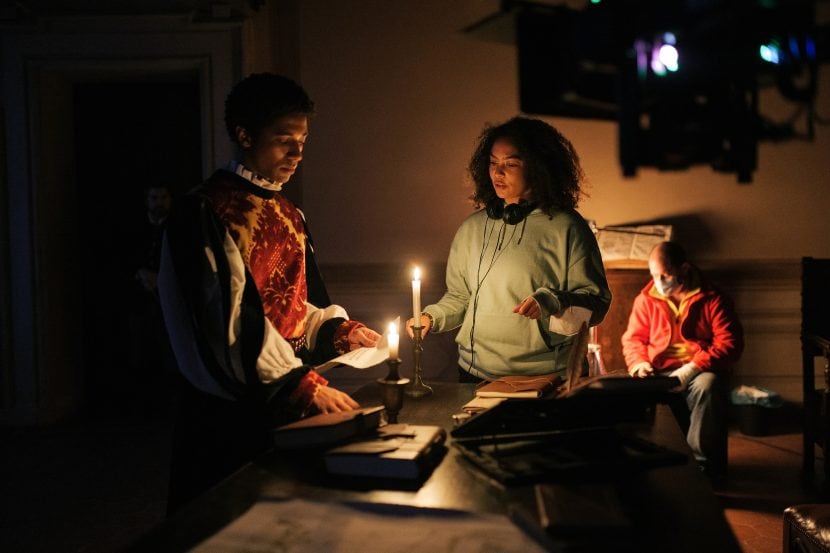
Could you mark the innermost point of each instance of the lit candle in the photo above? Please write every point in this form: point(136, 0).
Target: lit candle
point(416, 297)
point(393, 339)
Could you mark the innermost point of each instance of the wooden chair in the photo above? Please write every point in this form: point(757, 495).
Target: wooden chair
point(625, 284)
point(815, 342)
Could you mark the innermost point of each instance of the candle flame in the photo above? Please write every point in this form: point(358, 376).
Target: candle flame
point(393, 328)
point(416, 273)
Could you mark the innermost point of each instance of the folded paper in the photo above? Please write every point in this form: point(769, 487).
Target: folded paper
point(569, 321)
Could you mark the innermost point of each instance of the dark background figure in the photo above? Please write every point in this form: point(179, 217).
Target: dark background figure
point(149, 356)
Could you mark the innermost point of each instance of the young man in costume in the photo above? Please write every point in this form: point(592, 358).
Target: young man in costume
point(245, 308)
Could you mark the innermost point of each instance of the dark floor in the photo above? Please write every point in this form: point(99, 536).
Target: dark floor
point(95, 486)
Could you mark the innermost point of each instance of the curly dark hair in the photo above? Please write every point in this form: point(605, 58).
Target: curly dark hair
point(551, 165)
point(259, 99)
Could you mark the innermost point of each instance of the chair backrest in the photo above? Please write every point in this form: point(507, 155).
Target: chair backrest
point(815, 297)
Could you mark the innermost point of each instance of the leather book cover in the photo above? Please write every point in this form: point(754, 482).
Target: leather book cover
point(327, 429)
point(520, 386)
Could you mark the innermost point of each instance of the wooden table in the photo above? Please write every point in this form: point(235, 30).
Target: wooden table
point(675, 509)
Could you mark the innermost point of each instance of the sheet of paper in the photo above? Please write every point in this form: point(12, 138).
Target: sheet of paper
point(298, 525)
point(362, 358)
point(570, 321)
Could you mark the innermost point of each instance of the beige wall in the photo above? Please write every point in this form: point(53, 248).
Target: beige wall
point(402, 95)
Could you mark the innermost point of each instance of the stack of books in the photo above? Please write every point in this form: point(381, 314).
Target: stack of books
point(358, 443)
point(494, 392)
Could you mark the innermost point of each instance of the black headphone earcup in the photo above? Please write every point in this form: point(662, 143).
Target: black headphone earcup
point(495, 209)
point(513, 214)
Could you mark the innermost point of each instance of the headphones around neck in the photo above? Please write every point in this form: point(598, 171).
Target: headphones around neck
point(512, 214)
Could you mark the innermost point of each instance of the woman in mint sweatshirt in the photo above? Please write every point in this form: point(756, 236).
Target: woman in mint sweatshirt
point(526, 255)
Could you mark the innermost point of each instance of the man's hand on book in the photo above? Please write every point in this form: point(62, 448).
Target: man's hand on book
point(331, 400)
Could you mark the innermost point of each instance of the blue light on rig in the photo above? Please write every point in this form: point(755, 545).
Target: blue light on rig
point(810, 48)
point(799, 49)
point(770, 53)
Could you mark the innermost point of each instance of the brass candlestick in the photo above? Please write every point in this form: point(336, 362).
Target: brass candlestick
point(418, 388)
point(391, 390)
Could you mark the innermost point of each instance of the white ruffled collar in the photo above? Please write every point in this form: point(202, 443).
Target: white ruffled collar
point(258, 180)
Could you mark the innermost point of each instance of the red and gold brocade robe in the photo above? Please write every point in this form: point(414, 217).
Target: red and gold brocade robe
point(269, 233)
point(236, 306)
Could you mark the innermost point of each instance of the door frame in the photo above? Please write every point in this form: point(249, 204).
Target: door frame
point(41, 377)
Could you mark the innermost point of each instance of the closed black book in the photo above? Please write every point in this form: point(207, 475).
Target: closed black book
point(327, 429)
point(586, 517)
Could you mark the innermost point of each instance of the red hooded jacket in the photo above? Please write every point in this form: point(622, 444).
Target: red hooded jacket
point(708, 325)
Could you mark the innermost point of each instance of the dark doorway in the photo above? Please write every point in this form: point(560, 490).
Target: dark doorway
point(129, 136)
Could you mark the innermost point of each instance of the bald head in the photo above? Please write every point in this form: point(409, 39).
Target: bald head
point(670, 254)
point(668, 267)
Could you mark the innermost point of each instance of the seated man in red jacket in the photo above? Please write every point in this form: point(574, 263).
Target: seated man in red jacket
point(682, 326)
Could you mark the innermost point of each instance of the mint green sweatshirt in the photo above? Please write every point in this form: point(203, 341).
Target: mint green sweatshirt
point(493, 266)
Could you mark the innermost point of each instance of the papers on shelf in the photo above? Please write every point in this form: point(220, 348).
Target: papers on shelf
point(630, 244)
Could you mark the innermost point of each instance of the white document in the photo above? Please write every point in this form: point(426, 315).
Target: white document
point(361, 358)
point(570, 321)
point(299, 525)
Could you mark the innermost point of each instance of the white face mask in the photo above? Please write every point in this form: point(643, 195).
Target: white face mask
point(665, 285)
